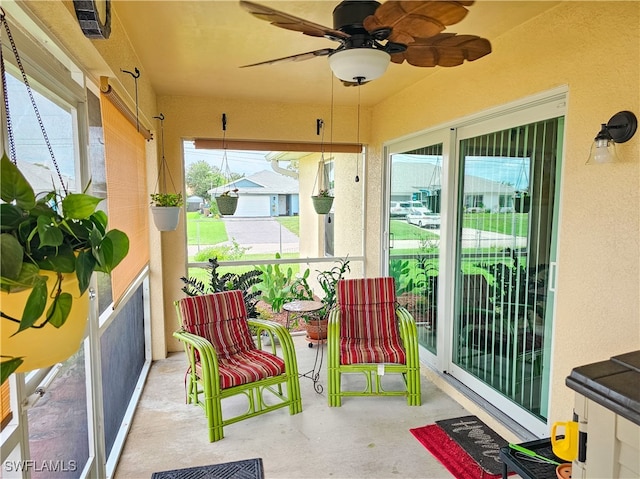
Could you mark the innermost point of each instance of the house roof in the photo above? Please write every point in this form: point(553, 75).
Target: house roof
point(263, 182)
point(414, 176)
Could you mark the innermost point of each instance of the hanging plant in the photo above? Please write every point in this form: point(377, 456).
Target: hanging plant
point(51, 245)
point(165, 207)
point(522, 202)
point(227, 201)
point(323, 200)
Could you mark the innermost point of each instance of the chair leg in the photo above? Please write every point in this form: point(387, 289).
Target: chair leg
point(413, 387)
point(213, 411)
point(335, 399)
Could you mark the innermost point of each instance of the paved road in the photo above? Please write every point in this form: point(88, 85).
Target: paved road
point(261, 235)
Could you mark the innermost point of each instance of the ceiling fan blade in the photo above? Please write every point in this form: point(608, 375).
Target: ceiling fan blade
point(294, 58)
point(445, 50)
point(290, 22)
point(416, 19)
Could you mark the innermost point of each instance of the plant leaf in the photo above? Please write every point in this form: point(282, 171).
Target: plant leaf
point(11, 258)
point(49, 234)
point(113, 248)
point(8, 367)
point(10, 216)
point(29, 276)
point(34, 307)
point(59, 310)
point(61, 259)
point(14, 186)
point(85, 263)
point(79, 206)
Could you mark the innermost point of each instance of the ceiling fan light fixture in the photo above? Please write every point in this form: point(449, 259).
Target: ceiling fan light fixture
point(359, 64)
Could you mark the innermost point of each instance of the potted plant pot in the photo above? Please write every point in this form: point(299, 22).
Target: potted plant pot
point(166, 218)
point(166, 210)
point(42, 347)
point(322, 204)
point(51, 245)
point(522, 203)
point(316, 329)
point(227, 204)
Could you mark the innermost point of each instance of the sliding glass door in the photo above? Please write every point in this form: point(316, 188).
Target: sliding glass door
point(472, 218)
point(505, 233)
point(415, 223)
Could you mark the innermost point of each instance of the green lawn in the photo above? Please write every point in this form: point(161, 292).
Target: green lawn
point(401, 230)
point(202, 230)
point(505, 223)
point(292, 223)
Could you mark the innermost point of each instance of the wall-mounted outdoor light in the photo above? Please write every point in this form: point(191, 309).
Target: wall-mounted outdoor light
point(620, 128)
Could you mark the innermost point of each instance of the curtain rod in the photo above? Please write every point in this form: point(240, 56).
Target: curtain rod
point(122, 107)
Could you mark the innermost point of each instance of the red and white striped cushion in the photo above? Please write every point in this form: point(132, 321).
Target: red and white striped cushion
point(221, 318)
point(368, 324)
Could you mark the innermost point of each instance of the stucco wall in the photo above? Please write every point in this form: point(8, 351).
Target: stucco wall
point(592, 47)
point(596, 52)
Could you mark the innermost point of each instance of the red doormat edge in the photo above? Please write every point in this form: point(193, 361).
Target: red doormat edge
point(449, 453)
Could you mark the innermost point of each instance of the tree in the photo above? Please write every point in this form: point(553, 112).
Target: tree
point(201, 177)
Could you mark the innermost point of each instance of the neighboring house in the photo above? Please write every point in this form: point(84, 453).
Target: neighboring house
point(264, 193)
point(194, 202)
point(420, 181)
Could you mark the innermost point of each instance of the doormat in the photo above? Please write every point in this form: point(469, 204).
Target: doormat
point(245, 469)
point(479, 441)
point(450, 454)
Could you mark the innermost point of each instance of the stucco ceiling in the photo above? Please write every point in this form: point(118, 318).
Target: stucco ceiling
point(196, 48)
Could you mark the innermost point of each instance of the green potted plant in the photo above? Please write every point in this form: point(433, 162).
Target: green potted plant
point(246, 282)
point(322, 202)
point(227, 202)
point(51, 245)
point(522, 201)
point(166, 210)
point(328, 281)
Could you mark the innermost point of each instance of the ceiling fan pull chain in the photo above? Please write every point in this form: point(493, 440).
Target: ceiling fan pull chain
point(357, 179)
point(12, 145)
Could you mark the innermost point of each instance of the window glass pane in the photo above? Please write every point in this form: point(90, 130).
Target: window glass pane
point(32, 154)
point(58, 424)
point(414, 257)
point(98, 184)
point(502, 329)
point(274, 214)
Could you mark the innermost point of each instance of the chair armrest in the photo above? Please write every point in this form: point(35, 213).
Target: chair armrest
point(333, 338)
point(284, 338)
point(409, 335)
point(207, 355)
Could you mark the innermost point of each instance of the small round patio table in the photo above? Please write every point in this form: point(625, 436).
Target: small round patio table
point(309, 308)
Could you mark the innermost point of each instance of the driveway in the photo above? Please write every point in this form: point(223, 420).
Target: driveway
point(261, 235)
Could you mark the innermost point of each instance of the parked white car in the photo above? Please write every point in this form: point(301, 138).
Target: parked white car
point(403, 208)
point(423, 218)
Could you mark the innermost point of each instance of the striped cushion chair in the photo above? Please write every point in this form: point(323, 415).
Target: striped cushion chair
point(224, 360)
point(370, 334)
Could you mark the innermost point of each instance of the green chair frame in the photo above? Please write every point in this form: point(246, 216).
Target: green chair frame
point(410, 371)
point(206, 392)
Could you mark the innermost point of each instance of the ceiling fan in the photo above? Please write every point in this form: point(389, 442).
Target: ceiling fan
point(371, 34)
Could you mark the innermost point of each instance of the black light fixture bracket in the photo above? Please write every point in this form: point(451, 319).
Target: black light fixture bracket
point(621, 127)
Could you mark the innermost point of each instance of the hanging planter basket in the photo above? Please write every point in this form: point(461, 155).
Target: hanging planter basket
point(46, 346)
point(322, 204)
point(522, 204)
point(166, 218)
point(227, 204)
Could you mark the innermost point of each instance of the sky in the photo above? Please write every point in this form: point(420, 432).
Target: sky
point(507, 170)
point(243, 162)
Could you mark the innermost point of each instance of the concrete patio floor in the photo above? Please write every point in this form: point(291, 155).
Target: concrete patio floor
point(365, 438)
